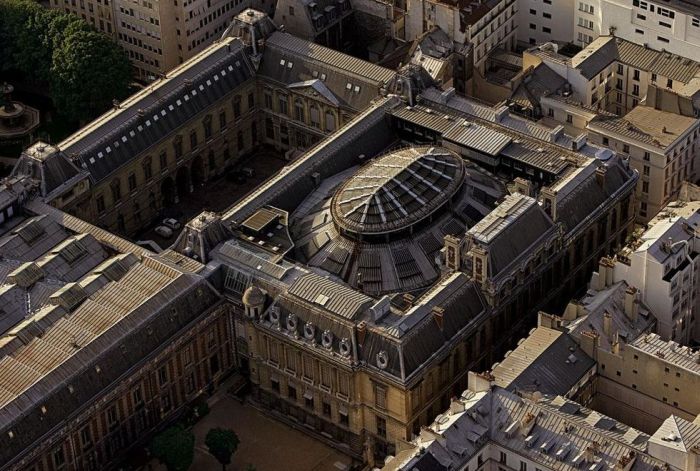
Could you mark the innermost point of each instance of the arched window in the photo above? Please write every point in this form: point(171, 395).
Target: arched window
point(315, 116)
point(116, 186)
point(330, 121)
point(299, 113)
point(177, 146)
point(147, 167)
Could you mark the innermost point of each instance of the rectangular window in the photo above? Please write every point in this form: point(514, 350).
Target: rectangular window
point(162, 375)
point(381, 427)
point(193, 139)
point(222, 119)
point(326, 409)
point(163, 160)
point(380, 396)
point(291, 392)
point(100, 202)
point(132, 182)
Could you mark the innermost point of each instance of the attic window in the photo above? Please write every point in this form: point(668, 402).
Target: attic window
point(11, 434)
point(290, 64)
point(201, 88)
point(282, 62)
point(238, 63)
point(100, 155)
point(179, 103)
point(323, 77)
point(348, 86)
point(162, 112)
point(155, 117)
point(108, 149)
point(186, 97)
point(208, 83)
point(132, 133)
point(216, 78)
point(148, 122)
point(321, 299)
point(230, 68)
point(171, 107)
point(314, 74)
point(223, 72)
point(194, 92)
point(123, 138)
point(357, 89)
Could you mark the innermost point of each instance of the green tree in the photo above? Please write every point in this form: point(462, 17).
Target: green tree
point(174, 447)
point(222, 443)
point(88, 73)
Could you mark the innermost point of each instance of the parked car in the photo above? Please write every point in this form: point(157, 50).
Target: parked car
point(164, 231)
point(172, 223)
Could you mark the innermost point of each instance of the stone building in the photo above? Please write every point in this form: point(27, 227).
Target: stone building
point(142, 156)
point(663, 147)
point(101, 341)
point(159, 36)
point(351, 272)
point(613, 74)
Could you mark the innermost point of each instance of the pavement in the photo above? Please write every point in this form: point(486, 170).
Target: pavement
point(266, 444)
point(217, 195)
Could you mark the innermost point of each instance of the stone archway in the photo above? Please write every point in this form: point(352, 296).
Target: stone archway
point(197, 171)
point(168, 192)
point(182, 182)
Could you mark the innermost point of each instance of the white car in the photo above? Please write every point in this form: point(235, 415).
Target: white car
point(164, 231)
point(172, 223)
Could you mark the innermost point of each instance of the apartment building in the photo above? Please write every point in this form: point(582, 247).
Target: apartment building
point(485, 24)
point(663, 147)
point(641, 378)
point(671, 26)
point(488, 427)
point(662, 262)
point(616, 75)
point(158, 36)
point(157, 145)
point(325, 22)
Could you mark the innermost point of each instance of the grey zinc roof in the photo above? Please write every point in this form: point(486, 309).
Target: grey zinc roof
point(152, 115)
point(646, 125)
point(548, 361)
point(345, 79)
point(607, 49)
point(330, 295)
point(510, 230)
point(321, 54)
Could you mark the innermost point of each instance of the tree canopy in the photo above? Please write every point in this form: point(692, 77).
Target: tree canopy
point(84, 69)
point(174, 447)
point(222, 443)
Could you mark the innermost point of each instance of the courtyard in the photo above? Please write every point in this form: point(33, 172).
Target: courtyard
point(217, 194)
point(265, 444)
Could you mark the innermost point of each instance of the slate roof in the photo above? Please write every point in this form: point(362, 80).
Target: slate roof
point(553, 433)
point(606, 49)
point(354, 83)
point(509, 231)
point(155, 113)
point(548, 361)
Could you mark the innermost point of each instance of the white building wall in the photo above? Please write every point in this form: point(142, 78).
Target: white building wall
point(541, 21)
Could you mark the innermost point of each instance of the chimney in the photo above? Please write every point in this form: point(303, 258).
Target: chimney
point(607, 323)
point(456, 406)
point(571, 311)
point(615, 345)
point(361, 332)
point(548, 320)
point(631, 303)
point(589, 344)
point(527, 423)
point(477, 382)
point(600, 175)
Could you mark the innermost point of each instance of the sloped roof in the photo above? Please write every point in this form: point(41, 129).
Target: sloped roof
point(148, 117)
